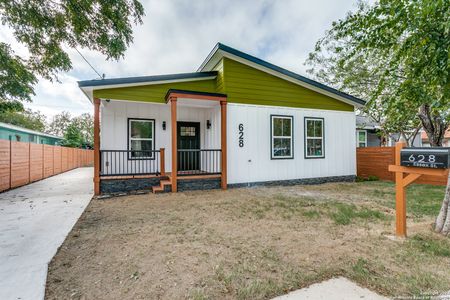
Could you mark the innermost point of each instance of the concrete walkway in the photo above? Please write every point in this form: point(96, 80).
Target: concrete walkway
point(34, 221)
point(334, 289)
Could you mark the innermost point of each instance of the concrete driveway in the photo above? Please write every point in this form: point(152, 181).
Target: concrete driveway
point(34, 221)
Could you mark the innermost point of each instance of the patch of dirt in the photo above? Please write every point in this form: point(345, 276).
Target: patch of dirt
point(249, 243)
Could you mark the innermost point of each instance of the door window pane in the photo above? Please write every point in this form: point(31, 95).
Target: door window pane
point(187, 131)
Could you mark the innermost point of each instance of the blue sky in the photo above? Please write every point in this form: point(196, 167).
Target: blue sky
point(177, 35)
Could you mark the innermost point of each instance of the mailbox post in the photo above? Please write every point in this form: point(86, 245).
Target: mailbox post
point(410, 164)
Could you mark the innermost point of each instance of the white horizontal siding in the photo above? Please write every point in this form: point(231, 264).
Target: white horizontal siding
point(253, 163)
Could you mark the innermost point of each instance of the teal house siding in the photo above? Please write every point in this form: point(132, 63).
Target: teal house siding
point(16, 133)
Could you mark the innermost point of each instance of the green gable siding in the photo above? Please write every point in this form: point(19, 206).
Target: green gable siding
point(155, 92)
point(244, 84)
point(220, 88)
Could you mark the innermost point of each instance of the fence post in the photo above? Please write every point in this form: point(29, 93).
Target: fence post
point(10, 164)
point(43, 161)
point(162, 162)
point(53, 159)
point(29, 162)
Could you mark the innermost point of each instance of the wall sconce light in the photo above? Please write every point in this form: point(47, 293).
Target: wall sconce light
point(208, 124)
point(164, 125)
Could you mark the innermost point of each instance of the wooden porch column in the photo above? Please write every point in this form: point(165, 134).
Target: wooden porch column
point(173, 109)
point(96, 146)
point(223, 142)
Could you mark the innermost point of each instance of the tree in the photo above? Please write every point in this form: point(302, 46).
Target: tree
point(59, 123)
point(72, 136)
point(400, 50)
point(27, 118)
point(85, 125)
point(14, 105)
point(64, 122)
point(46, 27)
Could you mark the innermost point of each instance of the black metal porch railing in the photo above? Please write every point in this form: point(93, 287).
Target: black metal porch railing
point(199, 161)
point(130, 162)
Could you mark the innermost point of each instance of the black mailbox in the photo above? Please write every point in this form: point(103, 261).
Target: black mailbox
point(437, 158)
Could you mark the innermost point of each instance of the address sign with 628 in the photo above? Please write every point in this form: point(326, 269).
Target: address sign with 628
point(437, 158)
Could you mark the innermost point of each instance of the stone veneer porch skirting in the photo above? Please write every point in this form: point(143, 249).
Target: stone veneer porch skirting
point(112, 186)
point(302, 181)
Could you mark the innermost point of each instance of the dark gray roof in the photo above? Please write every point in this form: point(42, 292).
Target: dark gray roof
point(143, 79)
point(366, 122)
point(278, 69)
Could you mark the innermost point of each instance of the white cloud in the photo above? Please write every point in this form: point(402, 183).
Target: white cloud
point(177, 35)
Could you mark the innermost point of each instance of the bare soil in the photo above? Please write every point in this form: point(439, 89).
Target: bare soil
point(248, 243)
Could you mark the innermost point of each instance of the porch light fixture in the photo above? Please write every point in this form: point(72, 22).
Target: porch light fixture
point(208, 124)
point(164, 125)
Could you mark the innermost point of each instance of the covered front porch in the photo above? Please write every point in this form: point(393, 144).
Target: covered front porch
point(178, 143)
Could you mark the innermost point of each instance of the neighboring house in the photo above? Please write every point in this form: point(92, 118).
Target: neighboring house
point(445, 142)
point(367, 132)
point(20, 134)
point(237, 121)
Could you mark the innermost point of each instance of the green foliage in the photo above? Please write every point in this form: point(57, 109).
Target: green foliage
point(369, 178)
point(72, 137)
point(63, 124)
point(60, 122)
point(85, 124)
point(394, 54)
point(11, 106)
point(33, 120)
point(46, 27)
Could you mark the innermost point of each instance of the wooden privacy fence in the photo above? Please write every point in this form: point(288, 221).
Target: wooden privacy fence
point(23, 163)
point(374, 161)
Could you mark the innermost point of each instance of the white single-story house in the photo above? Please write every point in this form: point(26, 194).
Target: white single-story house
point(237, 121)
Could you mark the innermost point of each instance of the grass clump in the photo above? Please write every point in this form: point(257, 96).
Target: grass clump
point(345, 213)
point(431, 246)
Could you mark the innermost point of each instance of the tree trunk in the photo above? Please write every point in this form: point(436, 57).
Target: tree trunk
point(433, 125)
point(443, 219)
point(435, 128)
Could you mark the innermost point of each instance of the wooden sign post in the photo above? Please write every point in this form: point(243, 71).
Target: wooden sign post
point(423, 163)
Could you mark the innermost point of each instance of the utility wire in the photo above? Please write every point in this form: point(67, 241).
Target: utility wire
point(102, 77)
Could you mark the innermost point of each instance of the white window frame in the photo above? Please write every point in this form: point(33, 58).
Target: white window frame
point(273, 137)
point(322, 138)
point(357, 138)
point(130, 156)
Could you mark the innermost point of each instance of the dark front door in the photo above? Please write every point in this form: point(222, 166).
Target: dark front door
point(188, 141)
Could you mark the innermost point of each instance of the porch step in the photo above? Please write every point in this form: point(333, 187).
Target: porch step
point(161, 187)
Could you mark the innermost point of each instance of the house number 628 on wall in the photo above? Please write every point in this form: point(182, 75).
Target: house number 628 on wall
point(241, 135)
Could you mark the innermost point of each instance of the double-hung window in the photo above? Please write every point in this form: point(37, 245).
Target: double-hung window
point(282, 140)
point(314, 138)
point(141, 138)
point(361, 138)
